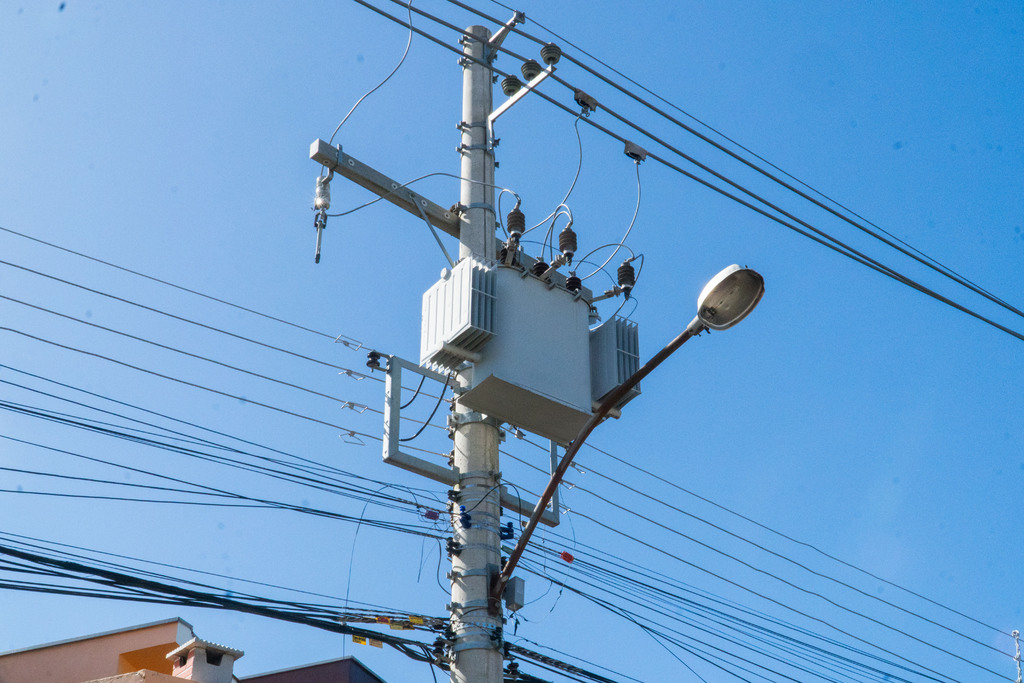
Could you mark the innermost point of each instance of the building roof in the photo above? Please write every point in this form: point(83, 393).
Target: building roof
point(206, 645)
point(354, 671)
point(102, 634)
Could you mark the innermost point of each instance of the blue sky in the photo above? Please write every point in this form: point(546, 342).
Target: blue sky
point(849, 412)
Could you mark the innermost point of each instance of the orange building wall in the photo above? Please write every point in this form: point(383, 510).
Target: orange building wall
point(100, 656)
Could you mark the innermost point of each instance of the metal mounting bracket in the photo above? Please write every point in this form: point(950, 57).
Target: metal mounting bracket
point(334, 159)
point(393, 454)
point(510, 102)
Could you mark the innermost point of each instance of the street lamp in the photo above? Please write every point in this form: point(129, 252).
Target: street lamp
point(727, 299)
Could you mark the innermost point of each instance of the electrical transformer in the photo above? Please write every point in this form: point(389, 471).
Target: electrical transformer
point(536, 364)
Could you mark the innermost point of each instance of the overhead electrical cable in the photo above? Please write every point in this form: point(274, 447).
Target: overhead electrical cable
point(182, 352)
point(199, 488)
point(325, 617)
point(786, 537)
point(813, 234)
point(347, 341)
point(630, 509)
point(191, 384)
point(916, 255)
point(387, 78)
point(803, 650)
point(328, 485)
point(169, 315)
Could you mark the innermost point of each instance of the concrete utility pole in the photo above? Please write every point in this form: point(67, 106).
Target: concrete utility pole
point(476, 656)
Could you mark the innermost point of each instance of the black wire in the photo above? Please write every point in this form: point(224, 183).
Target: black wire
point(811, 233)
point(923, 258)
point(440, 399)
point(348, 431)
point(358, 344)
point(168, 315)
point(629, 591)
point(187, 353)
point(632, 510)
point(423, 378)
point(785, 536)
point(330, 485)
point(309, 466)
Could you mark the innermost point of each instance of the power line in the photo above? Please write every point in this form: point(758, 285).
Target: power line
point(194, 385)
point(811, 233)
point(917, 255)
point(348, 341)
point(170, 315)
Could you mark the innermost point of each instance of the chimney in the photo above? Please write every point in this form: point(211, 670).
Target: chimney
point(203, 662)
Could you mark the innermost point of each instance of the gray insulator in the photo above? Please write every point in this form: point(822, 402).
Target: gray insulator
point(510, 85)
point(567, 243)
point(516, 222)
point(550, 53)
point(627, 278)
point(322, 196)
point(531, 69)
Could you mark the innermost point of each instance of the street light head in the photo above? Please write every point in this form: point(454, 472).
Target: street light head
point(729, 297)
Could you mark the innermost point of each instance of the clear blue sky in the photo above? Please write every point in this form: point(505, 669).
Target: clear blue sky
point(849, 412)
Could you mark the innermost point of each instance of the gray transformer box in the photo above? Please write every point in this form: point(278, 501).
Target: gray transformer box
point(534, 356)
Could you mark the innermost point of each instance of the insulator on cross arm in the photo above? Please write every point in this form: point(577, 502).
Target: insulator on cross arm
point(531, 69)
point(510, 85)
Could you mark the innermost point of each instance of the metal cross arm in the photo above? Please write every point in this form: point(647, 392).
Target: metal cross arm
point(334, 159)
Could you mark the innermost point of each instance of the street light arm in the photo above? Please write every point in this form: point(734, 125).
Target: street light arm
point(617, 394)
